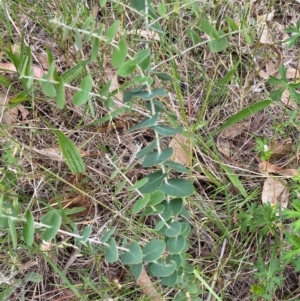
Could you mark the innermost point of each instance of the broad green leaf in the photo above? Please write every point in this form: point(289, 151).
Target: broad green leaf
point(159, 108)
point(53, 220)
point(48, 89)
point(138, 184)
point(155, 158)
point(181, 296)
point(173, 230)
point(176, 166)
point(134, 255)
point(183, 281)
point(7, 211)
point(174, 205)
point(166, 130)
point(145, 95)
point(140, 204)
point(247, 112)
point(176, 244)
point(78, 40)
point(185, 229)
point(105, 88)
point(193, 36)
point(86, 232)
point(136, 270)
point(154, 182)
point(72, 73)
point(70, 153)
point(161, 8)
point(146, 150)
point(153, 250)
point(161, 269)
point(231, 23)
point(208, 28)
point(177, 187)
point(180, 259)
point(102, 3)
point(33, 277)
point(144, 65)
point(141, 55)
point(80, 97)
point(154, 210)
point(171, 280)
point(127, 68)
point(112, 31)
point(95, 48)
point(28, 229)
point(119, 54)
point(139, 5)
point(156, 198)
point(218, 45)
point(107, 235)
point(147, 122)
point(13, 233)
point(111, 251)
point(163, 76)
point(60, 97)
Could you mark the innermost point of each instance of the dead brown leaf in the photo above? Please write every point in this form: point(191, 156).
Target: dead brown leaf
point(43, 59)
point(112, 76)
point(275, 192)
point(281, 147)
point(10, 116)
point(286, 99)
point(266, 168)
point(180, 145)
point(150, 35)
point(9, 67)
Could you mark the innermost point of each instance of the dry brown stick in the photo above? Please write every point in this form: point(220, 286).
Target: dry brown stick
point(147, 286)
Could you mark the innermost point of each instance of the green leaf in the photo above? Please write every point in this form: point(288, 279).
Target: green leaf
point(147, 122)
point(144, 65)
point(136, 270)
point(72, 73)
point(143, 94)
point(53, 220)
point(70, 153)
point(166, 130)
point(86, 232)
point(138, 184)
point(140, 204)
point(176, 166)
point(218, 45)
point(155, 158)
point(154, 210)
point(13, 233)
point(134, 255)
point(161, 269)
point(139, 5)
point(193, 36)
point(127, 68)
point(28, 229)
point(156, 198)
point(247, 112)
point(176, 244)
point(80, 97)
point(33, 277)
point(173, 230)
point(107, 235)
point(154, 182)
point(171, 280)
point(60, 97)
point(181, 296)
point(231, 23)
point(161, 8)
point(111, 252)
point(174, 205)
point(177, 187)
point(78, 40)
point(119, 54)
point(208, 28)
point(102, 3)
point(163, 76)
point(112, 31)
point(185, 229)
point(95, 48)
point(48, 89)
point(146, 150)
point(153, 250)
point(141, 55)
